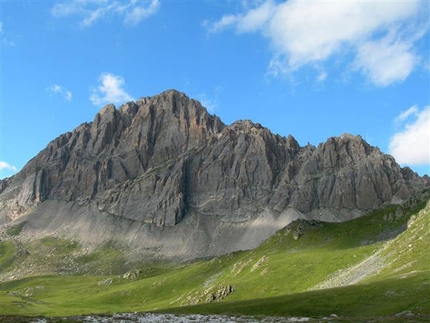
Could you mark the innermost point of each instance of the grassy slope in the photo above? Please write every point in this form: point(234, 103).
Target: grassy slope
point(7, 250)
point(277, 278)
point(402, 285)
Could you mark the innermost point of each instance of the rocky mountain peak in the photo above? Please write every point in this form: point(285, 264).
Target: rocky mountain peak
point(164, 161)
point(245, 125)
point(107, 110)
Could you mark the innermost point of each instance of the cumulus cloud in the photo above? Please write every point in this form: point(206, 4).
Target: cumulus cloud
point(111, 90)
point(6, 166)
point(380, 35)
point(57, 89)
point(386, 61)
point(132, 12)
point(411, 145)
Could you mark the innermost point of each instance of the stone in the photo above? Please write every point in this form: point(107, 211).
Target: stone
point(405, 314)
point(163, 161)
point(105, 282)
point(399, 213)
point(133, 274)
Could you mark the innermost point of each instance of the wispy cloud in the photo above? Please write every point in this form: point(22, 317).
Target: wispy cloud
point(57, 89)
point(413, 110)
point(111, 90)
point(380, 35)
point(4, 40)
point(6, 166)
point(139, 13)
point(6, 170)
point(131, 12)
point(225, 21)
point(209, 104)
point(322, 76)
point(411, 145)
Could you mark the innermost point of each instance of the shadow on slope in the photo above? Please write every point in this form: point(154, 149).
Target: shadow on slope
point(277, 278)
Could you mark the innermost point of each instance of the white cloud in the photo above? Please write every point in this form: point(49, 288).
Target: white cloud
point(224, 22)
point(379, 34)
point(110, 91)
point(411, 145)
point(253, 20)
point(6, 166)
point(93, 15)
point(256, 18)
point(386, 61)
point(322, 76)
point(66, 94)
point(132, 11)
point(139, 13)
point(63, 9)
point(209, 104)
point(4, 40)
point(413, 110)
point(8, 42)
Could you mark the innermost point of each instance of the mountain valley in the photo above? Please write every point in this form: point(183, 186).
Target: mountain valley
point(159, 206)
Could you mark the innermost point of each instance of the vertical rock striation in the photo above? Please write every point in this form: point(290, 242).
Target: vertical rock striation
point(158, 159)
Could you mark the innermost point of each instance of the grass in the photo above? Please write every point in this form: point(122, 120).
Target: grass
point(15, 230)
point(7, 251)
point(277, 278)
point(380, 298)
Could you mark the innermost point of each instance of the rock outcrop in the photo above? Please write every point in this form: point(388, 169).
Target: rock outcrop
point(158, 160)
point(125, 161)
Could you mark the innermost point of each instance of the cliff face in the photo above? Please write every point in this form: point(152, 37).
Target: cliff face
point(159, 159)
point(119, 151)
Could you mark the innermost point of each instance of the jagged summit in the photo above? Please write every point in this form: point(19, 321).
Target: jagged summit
point(164, 162)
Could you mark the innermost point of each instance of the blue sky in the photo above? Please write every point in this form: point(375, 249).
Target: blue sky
point(312, 69)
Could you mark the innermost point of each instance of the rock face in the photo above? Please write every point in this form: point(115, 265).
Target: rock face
point(125, 161)
point(153, 162)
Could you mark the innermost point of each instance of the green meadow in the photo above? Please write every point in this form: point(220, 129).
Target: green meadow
point(374, 266)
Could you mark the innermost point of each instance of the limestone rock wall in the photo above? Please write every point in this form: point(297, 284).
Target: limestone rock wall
point(162, 157)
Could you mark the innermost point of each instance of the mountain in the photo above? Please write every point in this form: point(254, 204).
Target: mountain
point(164, 177)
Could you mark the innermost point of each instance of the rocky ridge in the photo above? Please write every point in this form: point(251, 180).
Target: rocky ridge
point(163, 174)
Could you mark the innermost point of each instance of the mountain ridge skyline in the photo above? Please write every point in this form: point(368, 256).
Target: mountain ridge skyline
point(367, 75)
point(165, 162)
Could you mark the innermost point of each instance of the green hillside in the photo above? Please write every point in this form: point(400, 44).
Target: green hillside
point(374, 266)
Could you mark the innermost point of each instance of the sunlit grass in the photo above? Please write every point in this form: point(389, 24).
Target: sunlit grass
point(277, 278)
